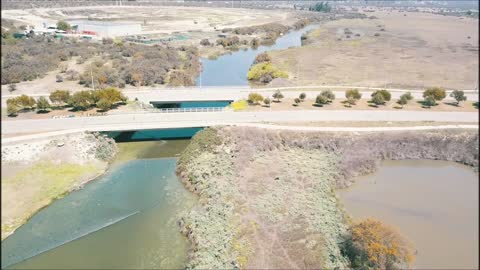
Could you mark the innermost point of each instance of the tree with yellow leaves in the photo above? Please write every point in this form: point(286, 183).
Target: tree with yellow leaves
point(372, 244)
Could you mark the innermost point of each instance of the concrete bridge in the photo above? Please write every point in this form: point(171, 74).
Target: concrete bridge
point(145, 121)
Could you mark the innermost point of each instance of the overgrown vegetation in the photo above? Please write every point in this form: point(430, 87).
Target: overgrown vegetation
point(374, 245)
point(239, 105)
point(321, 7)
point(265, 72)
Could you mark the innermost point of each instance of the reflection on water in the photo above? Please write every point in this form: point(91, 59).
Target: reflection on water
point(433, 203)
point(232, 69)
point(125, 219)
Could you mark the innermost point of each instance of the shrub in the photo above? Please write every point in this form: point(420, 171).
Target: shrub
point(429, 101)
point(297, 101)
point(259, 71)
point(302, 96)
point(63, 25)
point(255, 98)
point(458, 95)
point(353, 95)
point(205, 42)
point(321, 100)
point(43, 105)
point(12, 87)
point(239, 105)
point(436, 92)
point(26, 102)
point(81, 100)
point(12, 107)
point(385, 94)
point(60, 97)
point(378, 99)
point(263, 57)
point(321, 7)
point(328, 94)
point(180, 78)
point(110, 94)
point(104, 104)
point(267, 101)
point(373, 245)
point(278, 95)
point(405, 98)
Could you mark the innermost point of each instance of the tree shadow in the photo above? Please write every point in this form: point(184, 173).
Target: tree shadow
point(398, 107)
point(475, 104)
point(454, 104)
point(317, 105)
point(43, 111)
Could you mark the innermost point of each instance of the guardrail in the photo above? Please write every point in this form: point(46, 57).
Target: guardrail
point(177, 110)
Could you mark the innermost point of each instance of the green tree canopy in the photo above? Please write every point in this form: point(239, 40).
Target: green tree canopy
point(458, 95)
point(60, 96)
point(63, 25)
point(436, 92)
point(42, 104)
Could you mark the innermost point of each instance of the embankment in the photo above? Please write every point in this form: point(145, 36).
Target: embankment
point(36, 172)
point(267, 197)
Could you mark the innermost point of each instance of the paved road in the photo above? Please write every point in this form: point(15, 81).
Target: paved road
point(235, 93)
point(173, 120)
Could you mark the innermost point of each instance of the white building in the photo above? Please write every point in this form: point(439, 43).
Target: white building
point(107, 29)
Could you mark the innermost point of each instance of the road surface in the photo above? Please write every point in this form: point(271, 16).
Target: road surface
point(202, 119)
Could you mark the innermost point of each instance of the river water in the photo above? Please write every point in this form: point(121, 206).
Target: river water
point(231, 69)
point(433, 203)
point(125, 219)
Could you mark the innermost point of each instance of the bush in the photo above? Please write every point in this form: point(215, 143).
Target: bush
point(436, 92)
point(429, 101)
point(267, 101)
point(260, 71)
point(302, 96)
point(405, 98)
point(373, 245)
point(385, 94)
point(321, 7)
point(60, 97)
point(255, 98)
point(180, 78)
point(12, 87)
point(12, 107)
point(278, 95)
point(321, 100)
point(110, 94)
point(239, 105)
point(104, 104)
point(297, 101)
point(26, 102)
point(81, 100)
point(353, 95)
point(328, 94)
point(263, 57)
point(458, 95)
point(43, 105)
point(378, 99)
point(205, 42)
point(63, 25)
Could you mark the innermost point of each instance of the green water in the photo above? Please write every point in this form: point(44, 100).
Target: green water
point(125, 219)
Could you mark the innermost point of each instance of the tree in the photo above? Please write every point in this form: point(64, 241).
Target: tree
point(63, 25)
point(60, 97)
point(371, 244)
point(328, 94)
point(321, 100)
point(104, 104)
point(385, 94)
point(42, 104)
point(302, 96)
point(429, 101)
point(255, 98)
point(297, 101)
point(278, 95)
point(378, 99)
point(26, 102)
point(405, 98)
point(12, 87)
point(81, 100)
point(353, 95)
point(436, 92)
point(267, 101)
point(458, 95)
point(111, 94)
point(12, 107)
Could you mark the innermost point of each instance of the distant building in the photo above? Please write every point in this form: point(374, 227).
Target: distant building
point(107, 29)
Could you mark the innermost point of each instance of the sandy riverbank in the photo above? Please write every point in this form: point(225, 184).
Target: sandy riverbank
point(267, 197)
point(36, 172)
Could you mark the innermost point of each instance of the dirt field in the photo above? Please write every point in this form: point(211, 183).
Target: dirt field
point(363, 104)
point(158, 19)
point(415, 51)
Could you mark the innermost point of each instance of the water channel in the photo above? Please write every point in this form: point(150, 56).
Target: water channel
point(231, 69)
point(433, 203)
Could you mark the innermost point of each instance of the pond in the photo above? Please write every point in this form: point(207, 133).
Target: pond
point(125, 219)
point(433, 203)
point(231, 69)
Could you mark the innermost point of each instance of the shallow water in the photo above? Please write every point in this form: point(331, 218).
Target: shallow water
point(125, 219)
point(232, 69)
point(433, 203)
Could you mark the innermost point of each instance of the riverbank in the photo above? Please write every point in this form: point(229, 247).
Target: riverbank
point(37, 172)
point(267, 197)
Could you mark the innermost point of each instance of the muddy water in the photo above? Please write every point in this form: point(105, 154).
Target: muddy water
point(125, 219)
point(433, 203)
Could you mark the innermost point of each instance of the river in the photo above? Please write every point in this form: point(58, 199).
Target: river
point(231, 69)
point(124, 219)
point(432, 203)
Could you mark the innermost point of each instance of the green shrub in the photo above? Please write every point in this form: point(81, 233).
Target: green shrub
point(436, 92)
point(278, 95)
point(353, 95)
point(267, 101)
point(405, 98)
point(297, 101)
point(458, 95)
point(385, 94)
point(60, 96)
point(321, 100)
point(302, 96)
point(378, 99)
point(328, 94)
point(255, 98)
point(429, 101)
point(43, 105)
